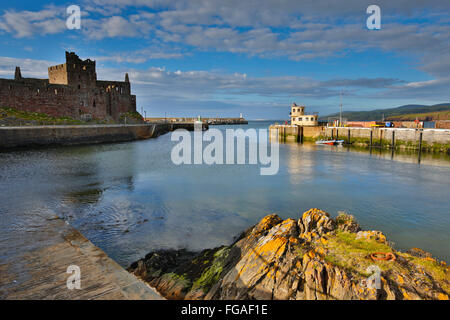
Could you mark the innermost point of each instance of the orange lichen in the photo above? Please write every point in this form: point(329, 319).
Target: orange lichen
point(442, 296)
point(429, 259)
point(406, 296)
point(273, 247)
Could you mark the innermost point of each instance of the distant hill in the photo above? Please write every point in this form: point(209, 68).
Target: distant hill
point(427, 116)
point(412, 110)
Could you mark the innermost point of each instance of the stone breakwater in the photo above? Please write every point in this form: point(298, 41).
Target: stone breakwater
point(431, 140)
point(31, 136)
point(314, 258)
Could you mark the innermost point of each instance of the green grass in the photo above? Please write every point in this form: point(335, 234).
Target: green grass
point(437, 270)
point(40, 118)
point(349, 253)
point(131, 115)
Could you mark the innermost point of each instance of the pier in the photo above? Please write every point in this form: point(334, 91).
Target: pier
point(40, 271)
point(434, 140)
point(210, 121)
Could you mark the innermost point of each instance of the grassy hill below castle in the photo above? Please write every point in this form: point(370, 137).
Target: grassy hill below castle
point(14, 117)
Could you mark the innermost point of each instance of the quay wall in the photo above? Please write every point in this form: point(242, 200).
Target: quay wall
point(437, 140)
point(29, 136)
point(433, 139)
point(210, 121)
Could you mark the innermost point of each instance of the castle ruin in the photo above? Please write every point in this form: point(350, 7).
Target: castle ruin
point(71, 90)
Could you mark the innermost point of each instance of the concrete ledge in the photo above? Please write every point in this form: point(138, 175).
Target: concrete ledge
point(14, 137)
point(41, 273)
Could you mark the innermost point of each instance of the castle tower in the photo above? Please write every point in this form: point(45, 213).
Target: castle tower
point(75, 72)
point(127, 79)
point(18, 74)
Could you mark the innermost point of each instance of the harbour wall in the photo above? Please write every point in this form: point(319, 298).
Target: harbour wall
point(210, 121)
point(31, 136)
point(436, 140)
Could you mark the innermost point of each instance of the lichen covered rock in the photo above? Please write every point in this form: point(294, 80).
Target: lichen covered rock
point(371, 235)
point(315, 257)
point(317, 221)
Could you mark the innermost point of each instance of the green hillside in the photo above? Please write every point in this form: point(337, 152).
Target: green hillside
point(427, 116)
point(392, 112)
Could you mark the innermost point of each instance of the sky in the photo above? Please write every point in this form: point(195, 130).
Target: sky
point(255, 57)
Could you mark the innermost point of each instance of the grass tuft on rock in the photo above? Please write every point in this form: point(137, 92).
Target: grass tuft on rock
point(346, 251)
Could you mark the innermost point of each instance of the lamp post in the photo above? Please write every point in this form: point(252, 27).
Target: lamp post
point(340, 110)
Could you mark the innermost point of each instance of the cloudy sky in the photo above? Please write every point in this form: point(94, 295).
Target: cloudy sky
point(224, 57)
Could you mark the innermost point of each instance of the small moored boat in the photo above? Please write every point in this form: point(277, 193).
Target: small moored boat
point(330, 142)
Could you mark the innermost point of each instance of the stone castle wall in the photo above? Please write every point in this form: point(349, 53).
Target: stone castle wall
point(72, 90)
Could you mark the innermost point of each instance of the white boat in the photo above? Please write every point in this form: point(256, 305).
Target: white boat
point(330, 142)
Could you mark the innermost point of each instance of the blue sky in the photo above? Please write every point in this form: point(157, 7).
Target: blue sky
point(226, 57)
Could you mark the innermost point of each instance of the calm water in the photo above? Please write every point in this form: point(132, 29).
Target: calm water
point(129, 199)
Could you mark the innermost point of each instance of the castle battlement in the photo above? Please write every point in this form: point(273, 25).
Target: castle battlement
point(72, 90)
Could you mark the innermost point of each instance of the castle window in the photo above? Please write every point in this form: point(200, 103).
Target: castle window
point(300, 119)
point(84, 68)
point(94, 104)
point(79, 86)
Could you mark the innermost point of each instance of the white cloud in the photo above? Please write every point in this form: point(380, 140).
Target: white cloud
point(115, 26)
point(297, 30)
point(30, 68)
point(27, 23)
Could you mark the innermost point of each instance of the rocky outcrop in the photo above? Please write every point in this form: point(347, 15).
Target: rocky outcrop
point(315, 257)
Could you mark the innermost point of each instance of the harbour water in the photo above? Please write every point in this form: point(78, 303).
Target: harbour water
point(129, 198)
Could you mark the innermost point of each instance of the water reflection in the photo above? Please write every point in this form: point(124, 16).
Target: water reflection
point(300, 164)
point(129, 199)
